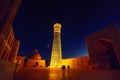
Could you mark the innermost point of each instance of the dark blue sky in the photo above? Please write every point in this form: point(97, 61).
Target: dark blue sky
point(33, 24)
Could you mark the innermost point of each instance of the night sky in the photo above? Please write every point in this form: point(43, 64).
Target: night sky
point(33, 24)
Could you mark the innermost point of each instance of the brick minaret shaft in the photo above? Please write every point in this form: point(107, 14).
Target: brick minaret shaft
point(56, 55)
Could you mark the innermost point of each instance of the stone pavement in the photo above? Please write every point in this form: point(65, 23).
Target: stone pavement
point(72, 74)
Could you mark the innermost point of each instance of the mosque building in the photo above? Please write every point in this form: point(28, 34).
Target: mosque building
point(35, 60)
point(104, 48)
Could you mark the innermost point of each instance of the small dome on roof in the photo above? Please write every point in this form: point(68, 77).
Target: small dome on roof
point(35, 55)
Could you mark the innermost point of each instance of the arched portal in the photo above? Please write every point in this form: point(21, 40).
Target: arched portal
point(105, 54)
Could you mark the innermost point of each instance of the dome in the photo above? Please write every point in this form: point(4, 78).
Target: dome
point(35, 55)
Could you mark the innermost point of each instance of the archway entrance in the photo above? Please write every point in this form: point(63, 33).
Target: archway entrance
point(105, 55)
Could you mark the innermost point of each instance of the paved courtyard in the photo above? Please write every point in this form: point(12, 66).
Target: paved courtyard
point(72, 74)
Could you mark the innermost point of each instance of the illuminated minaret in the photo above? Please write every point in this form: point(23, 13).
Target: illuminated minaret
point(56, 55)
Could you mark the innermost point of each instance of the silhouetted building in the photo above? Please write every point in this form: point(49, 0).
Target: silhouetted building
point(8, 10)
point(35, 60)
point(104, 48)
point(8, 44)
